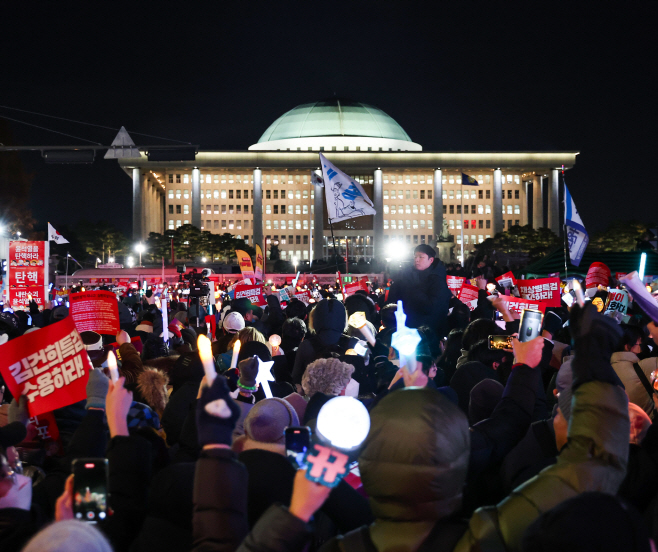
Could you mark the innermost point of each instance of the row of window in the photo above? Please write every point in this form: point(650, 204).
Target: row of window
point(292, 194)
point(408, 224)
point(238, 209)
point(408, 209)
point(457, 224)
point(474, 238)
point(481, 209)
point(212, 224)
point(291, 224)
point(292, 209)
point(407, 194)
point(211, 178)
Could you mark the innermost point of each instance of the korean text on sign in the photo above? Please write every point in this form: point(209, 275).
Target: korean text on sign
point(541, 289)
point(50, 366)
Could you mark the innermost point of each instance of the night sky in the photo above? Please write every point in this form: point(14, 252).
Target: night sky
point(477, 76)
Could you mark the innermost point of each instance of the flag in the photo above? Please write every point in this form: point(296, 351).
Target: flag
point(54, 235)
point(316, 179)
point(576, 234)
point(469, 180)
point(346, 198)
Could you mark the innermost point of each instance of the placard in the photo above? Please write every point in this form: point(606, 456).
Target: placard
point(244, 261)
point(28, 262)
point(468, 293)
point(351, 289)
point(304, 296)
point(516, 305)
point(617, 301)
point(95, 311)
point(455, 283)
point(541, 289)
point(253, 293)
point(50, 366)
point(507, 276)
point(260, 264)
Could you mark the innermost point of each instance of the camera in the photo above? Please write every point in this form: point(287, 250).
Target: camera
point(198, 288)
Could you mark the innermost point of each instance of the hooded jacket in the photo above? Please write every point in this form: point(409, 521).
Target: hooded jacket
point(425, 296)
point(622, 363)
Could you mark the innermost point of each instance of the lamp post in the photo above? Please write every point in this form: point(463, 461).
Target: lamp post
point(295, 260)
point(140, 249)
point(97, 261)
point(67, 270)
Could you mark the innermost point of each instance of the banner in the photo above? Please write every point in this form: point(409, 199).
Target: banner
point(304, 296)
point(468, 293)
point(541, 289)
point(244, 261)
point(28, 276)
point(95, 311)
point(260, 264)
point(455, 283)
point(351, 289)
point(516, 305)
point(49, 365)
point(345, 196)
point(253, 293)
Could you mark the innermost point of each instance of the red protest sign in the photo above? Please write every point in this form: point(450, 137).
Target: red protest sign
point(95, 311)
point(49, 365)
point(253, 293)
point(455, 283)
point(27, 273)
point(468, 293)
point(516, 305)
point(541, 289)
point(351, 289)
point(19, 299)
point(210, 319)
point(507, 275)
point(304, 296)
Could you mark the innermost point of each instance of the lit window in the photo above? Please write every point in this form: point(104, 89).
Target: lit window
point(208, 179)
point(298, 225)
point(415, 194)
point(458, 223)
point(472, 194)
point(445, 194)
point(414, 209)
point(178, 223)
point(276, 224)
point(298, 210)
point(465, 239)
point(400, 194)
point(215, 194)
point(487, 209)
point(422, 209)
point(458, 194)
point(186, 209)
point(393, 209)
point(208, 193)
point(386, 209)
point(171, 194)
point(393, 225)
point(268, 225)
point(186, 179)
point(429, 209)
point(290, 194)
point(452, 194)
point(178, 194)
point(517, 209)
point(223, 194)
point(186, 194)
point(305, 224)
point(305, 209)
point(238, 224)
point(305, 194)
point(400, 224)
point(466, 224)
point(385, 194)
point(385, 224)
point(509, 178)
point(231, 225)
point(459, 238)
point(509, 209)
point(407, 209)
point(415, 224)
point(480, 209)
point(422, 224)
point(451, 224)
point(480, 238)
point(171, 225)
point(268, 209)
point(408, 224)
point(298, 194)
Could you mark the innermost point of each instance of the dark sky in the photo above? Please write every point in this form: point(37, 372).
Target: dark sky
point(474, 76)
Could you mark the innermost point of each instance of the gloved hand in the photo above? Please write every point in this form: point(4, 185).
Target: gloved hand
point(216, 414)
point(18, 410)
point(97, 386)
point(594, 337)
point(34, 308)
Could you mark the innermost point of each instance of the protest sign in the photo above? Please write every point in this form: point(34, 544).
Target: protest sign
point(304, 296)
point(28, 276)
point(244, 261)
point(253, 293)
point(260, 264)
point(641, 296)
point(516, 305)
point(617, 301)
point(468, 293)
point(506, 276)
point(541, 289)
point(50, 366)
point(210, 319)
point(351, 289)
point(455, 283)
point(95, 311)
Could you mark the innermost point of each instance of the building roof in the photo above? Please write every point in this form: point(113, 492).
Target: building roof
point(334, 117)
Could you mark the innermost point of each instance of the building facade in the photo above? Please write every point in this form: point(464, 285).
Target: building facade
point(264, 194)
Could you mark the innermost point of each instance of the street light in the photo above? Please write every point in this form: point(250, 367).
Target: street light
point(130, 262)
point(140, 249)
point(295, 260)
point(110, 259)
point(98, 261)
point(203, 259)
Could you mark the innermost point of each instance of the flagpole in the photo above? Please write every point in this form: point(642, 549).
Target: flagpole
point(333, 239)
point(462, 212)
point(564, 226)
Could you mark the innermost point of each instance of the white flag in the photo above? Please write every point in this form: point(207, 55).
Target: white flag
point(316, 179)
point(54, 235)
point(577, 236)
point(345, 196)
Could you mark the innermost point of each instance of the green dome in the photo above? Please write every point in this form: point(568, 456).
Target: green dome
point(334, 117)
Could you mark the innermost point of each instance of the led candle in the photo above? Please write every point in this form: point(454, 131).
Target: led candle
point(579, 293)
point(275, 341)
point(236, 352)
point(205, 352)
point(112, 365)
point(358, 320)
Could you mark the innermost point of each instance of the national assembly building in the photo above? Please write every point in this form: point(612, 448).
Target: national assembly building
point(265, 193)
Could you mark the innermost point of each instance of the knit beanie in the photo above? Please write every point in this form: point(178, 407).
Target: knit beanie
point(248, 369)
point(329, 321)
point(268, 419)
point(251, 348)
point(141, 415)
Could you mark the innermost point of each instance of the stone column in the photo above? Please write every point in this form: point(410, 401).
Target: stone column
point(163, 211)
point(526, 208)
point(537, 202)
point(146, 204)
point(137, 205)
point(438, 202)
point(196, 198)
point(378, 223)
point(257, 210)
point(318, 223)
point(498, 202)
point(554, 201)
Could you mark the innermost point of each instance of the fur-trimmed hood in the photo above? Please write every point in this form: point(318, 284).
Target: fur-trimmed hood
point(152, 384)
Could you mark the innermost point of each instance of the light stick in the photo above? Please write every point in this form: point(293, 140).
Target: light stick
point(165, 321)
point(205, 352)
point(405, 340)
point(264, 376)
point(236, 352)
point(580, 298)
point(358, 320)
point(112, 365)
point(643, 264)
point(275, 341)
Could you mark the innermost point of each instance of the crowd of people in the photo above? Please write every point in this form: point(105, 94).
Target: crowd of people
point(546, 446)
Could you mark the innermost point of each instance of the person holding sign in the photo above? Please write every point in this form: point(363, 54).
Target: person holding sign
point(424, 291)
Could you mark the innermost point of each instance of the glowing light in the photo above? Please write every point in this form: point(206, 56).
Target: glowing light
point(112, 365)
point(358, 320)
point(236, 352)
point(139, 248)
point(264, 376)
point(579, 293)
point(205, 352)
point(110, 259)
point(344, 422)
point(275, 341)
point(643, 264)
point(405, 340)
point(203, 259)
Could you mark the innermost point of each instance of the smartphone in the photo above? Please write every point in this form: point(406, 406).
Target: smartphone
point(298, 439)
point(360, 348)
point(530, 326)
point(568, 299)
point(90, 496)
point(500, 341)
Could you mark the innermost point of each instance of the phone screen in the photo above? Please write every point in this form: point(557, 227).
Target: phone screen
point(90, 489)
point(500, 341)
point(298, 439)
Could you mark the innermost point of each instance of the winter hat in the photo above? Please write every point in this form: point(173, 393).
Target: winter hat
point(141, 415)
point(251, 348)
point(589, 522)
point(154, 347)
point(233, 322)
point(248, 369)
point(152, 385)
point(59, 313)
point(68, 536)
point(181, 316)
point(360, 303)
point(485, 396)
point(145, 326)
point(174, 329)
point(188, 367)
point(12, 434)
point(563, 384)
point(9, 324)
point(466, 377)
point(597, 274)
point(329, 317)
point(268, 419)
point(189, 336)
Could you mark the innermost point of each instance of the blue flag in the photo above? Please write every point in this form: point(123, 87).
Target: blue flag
point(577, 236)
point(469, 180)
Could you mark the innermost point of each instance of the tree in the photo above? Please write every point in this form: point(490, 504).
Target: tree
point(274, 253)
point(620, 236)
point(101, 239)
point(520, 240)
point(159, 245)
